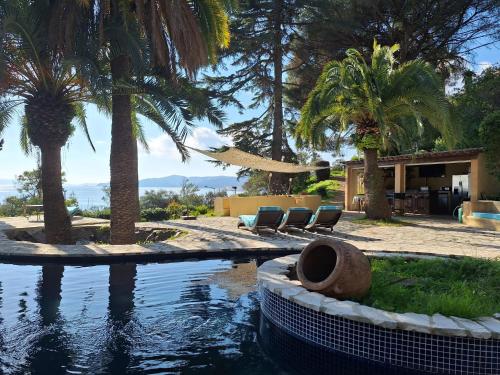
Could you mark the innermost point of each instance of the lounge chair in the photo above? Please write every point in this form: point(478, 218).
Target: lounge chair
point(325, 217)
point(73, 210)
point(267, 217)
point(296, 217)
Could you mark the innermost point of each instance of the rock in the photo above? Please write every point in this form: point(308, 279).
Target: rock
point(159, 235)
point(310, 300)
point(292, 272)
point(274, 285)
point(85, 234)
point(492, 324)
point(414, 322)
point(38, 236)
point(102, 234)
point(288, 293)
point(473, 329)
point(375, 316)
point(441, 325)
point(344, 309)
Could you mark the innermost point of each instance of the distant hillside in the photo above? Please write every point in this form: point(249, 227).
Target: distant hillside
point(176, 181)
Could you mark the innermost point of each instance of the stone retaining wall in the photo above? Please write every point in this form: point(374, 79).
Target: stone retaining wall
point(416, 341)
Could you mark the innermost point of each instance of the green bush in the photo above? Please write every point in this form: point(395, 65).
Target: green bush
point(157, 199)
point(104, 213)
point(14, 206)
point(155, 214)
point(489, 132)
point(176, 210)
point(201, 209)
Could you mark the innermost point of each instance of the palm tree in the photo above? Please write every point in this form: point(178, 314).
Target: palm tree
point(33, 74)
point(181, 32)
point(377, 101)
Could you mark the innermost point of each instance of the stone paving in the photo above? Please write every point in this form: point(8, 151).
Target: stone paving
point(220, 235)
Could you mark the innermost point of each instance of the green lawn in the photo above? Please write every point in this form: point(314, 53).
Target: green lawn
point(466, 287)
point(324, 188)
point(382, 223)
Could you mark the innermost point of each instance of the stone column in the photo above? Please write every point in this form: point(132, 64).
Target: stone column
point(349, 188)
point(399, 178)
point(474, 181)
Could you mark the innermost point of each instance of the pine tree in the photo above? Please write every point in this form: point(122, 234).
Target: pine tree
point(262, 32)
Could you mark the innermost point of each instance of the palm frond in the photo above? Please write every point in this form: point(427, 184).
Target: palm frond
point(81, 121)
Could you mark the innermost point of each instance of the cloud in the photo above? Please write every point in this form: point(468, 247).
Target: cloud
point(201, 137)
point(483, 65)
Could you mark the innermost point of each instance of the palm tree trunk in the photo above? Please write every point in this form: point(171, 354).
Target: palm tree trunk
point(277, 183)
point(135, 169)
point(123, 163)
point(56, 217)
point(376, 205)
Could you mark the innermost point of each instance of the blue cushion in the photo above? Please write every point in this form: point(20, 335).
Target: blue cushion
point(486, 215)
point(285, 216)
point(330, 208)
point(313, 217)
point(248, 220)
point(299, 209)
point(270, 208)
point(72, 210)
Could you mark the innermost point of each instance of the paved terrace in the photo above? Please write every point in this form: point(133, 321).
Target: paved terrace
point(218, 236)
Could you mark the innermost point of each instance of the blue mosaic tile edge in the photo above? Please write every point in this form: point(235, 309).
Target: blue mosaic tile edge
point(392, 347)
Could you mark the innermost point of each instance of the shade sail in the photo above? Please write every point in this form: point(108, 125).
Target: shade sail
point(240, 158)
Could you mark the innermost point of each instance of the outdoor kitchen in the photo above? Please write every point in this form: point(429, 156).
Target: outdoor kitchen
point(430, 183)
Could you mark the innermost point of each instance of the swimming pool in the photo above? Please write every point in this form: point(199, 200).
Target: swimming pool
point(191, 317)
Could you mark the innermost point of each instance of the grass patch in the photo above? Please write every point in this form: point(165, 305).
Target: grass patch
point(467, 288)
point(381, 222)
point(324, 188)
point(337, 173)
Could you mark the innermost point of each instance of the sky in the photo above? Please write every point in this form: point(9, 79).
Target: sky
point(82, 165)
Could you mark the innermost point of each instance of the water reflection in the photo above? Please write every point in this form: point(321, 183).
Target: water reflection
point(51, 354)
point(119, 347)
point(192, 317)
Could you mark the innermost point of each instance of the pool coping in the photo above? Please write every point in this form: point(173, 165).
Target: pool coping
point(272, 275)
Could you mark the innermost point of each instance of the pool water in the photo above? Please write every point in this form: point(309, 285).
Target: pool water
point(191, 317)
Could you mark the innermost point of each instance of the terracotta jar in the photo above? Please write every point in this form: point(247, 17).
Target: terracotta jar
point(335, 269)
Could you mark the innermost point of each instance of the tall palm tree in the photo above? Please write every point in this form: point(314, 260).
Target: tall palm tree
point(33, 74)
point(178, 33)
point(377, 100)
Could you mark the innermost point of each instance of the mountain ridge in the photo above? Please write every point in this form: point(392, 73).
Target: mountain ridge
point(200, 181)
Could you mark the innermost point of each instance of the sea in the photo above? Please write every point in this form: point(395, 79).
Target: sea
point(92, 196)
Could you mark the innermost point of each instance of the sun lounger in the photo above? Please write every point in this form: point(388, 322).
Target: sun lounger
point(296, 217)
point(73, 210)
point(325, 217)
point(267, 217)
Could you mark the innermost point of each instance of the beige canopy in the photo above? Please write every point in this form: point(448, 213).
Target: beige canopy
point(244, 159)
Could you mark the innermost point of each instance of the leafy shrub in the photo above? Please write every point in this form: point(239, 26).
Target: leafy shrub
point(489, 132)
point(201, 209)
point(14, 206)
point(155, 214)
point(176, 210)
point(71, 201)
point(157, 199)
point(104, 213)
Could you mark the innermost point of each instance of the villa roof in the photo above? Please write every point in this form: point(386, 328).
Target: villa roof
point(425, 157)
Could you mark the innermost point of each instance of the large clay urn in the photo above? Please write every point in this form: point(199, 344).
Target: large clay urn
point(335, 269)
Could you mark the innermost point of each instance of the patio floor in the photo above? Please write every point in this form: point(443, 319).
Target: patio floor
point(219, 235)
